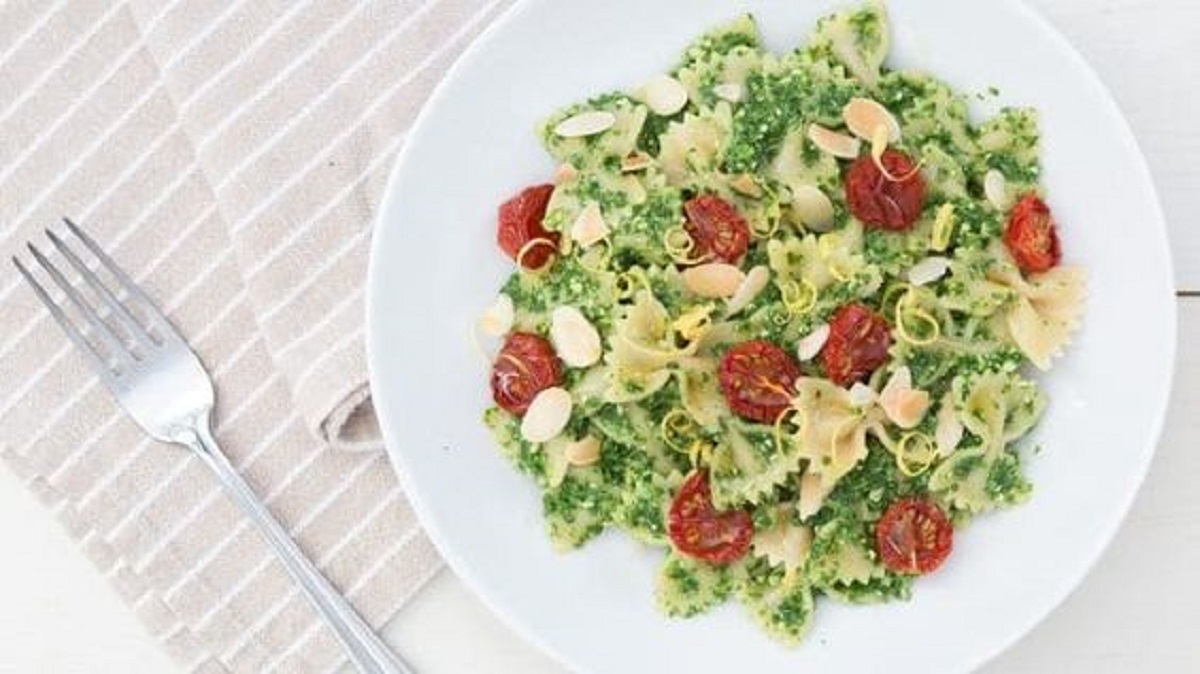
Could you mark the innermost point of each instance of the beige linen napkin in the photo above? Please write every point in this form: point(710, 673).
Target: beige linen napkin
point(230, 154)
point(296, 111)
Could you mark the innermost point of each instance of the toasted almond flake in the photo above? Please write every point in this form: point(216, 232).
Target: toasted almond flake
point(635, 161)
point(862, 395)
point(903, 404)
point(995, 188)
point(547, 415)
point(949, 431)
point(565, 173)
point(928, 270)
point(864, 116)
point(837, 144)
point(664, 95)
point(575, 338)
point(589, 227)
point(746, 186)
point(810, 346)
point(730, 91)
point(911, 408)
point(583, 452)
point(584, 124)
point(754, 283)
point(813, 207)
point(715, 280)
point(497, 320)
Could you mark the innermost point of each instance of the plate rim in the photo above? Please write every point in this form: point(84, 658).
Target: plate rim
point(1064, 589)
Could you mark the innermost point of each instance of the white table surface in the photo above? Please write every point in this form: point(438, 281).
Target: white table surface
point(1137, 611)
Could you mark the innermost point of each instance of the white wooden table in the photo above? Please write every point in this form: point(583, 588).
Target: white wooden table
point(1138, 611)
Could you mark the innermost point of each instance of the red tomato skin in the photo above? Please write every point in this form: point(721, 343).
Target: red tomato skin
point(1032, 237)
point(914, 537)
point(699, 531)
point(858, 344)
point(719, 230)
point(758, 380)
point(520, 221)
point(526, 365)
point(880, 203)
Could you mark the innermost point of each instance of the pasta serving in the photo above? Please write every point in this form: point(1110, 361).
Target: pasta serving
point(777, 315)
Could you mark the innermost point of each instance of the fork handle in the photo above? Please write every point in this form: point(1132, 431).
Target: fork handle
point(368, 652)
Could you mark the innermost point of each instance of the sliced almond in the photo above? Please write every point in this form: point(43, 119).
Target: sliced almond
point(910, 408)
point(583, 452)
point(498, 319)
point(756, 280)
point(810, 346)
point(949, 431)
point(636, 161)
point(589, 227)
point(715, 280)
point(864, 116)
point(995, 188)
point(862, 395)
point(928, 270)
point(664, 95)
point(575, 338)
point(584, 124)
point(730, 91)
point(813, 207)
point(903, 404)
point(837, 144)
point(565, 173)
point(747, 186)
point(547, 415)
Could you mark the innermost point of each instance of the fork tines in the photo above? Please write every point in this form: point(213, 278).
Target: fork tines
point(100, 314)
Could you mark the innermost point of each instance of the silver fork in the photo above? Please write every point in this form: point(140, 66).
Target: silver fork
point(163, 386)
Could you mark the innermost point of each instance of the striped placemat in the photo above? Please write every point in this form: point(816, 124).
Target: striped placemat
point(231, 155)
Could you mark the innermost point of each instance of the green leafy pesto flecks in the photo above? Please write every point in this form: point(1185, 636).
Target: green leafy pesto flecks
point(654, 404)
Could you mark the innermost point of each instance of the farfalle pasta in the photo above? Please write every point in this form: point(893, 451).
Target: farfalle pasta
point(778, 315)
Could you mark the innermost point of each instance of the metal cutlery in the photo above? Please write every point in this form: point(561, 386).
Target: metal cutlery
point(161, 383)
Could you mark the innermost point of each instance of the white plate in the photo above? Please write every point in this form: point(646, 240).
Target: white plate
point(435, 267)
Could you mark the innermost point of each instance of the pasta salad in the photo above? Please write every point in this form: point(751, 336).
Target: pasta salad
point(778, 315)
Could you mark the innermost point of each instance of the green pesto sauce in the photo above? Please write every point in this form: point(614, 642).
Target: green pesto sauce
point(577, 510)
point(763, 135)
point(776, 103)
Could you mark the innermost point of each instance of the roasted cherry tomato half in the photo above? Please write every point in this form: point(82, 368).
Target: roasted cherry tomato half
point(914, 536)
point(1031, 236)
point(698, 530)
point(858, 344)
point(758, 380)
point(526, 365)
point(520, 221)
point(881, 202)
point(720, 232)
